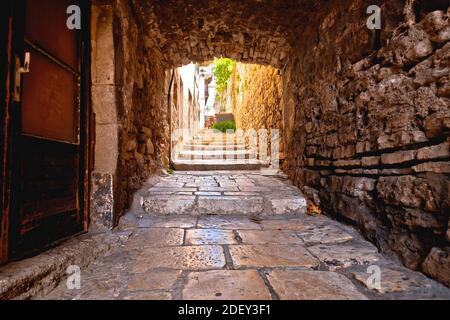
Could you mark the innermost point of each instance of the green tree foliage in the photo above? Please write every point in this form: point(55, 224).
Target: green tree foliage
point(223, 69)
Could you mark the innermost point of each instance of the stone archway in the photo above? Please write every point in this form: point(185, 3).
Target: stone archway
point(365, 111)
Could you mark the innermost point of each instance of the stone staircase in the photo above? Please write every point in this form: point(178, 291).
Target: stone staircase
point(210, 150)
point(242, 193)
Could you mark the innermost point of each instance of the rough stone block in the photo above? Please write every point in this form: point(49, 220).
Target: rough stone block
point(153, 280)
point(398, 157)
point(271, 255)
point(412, 192)
point(180, 258)
point(339, 256)
point(156, 237)
point(168, 205)
point(358, 187)
point(414, 219)
point(371, 161)
point(434, 152)
point(210, 236)
point(228, 223)
point(326, 234)
point(269, 236)
point(437, 265)
point(230, 205)
point(226, 285)
point(104, 104)
point(436, 167)
point(316, 285)
point(395, 281)
point(102, 201)
point(289, 205)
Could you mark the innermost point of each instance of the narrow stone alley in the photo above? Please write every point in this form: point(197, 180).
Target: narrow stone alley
point(262, 246)
point(206, 149)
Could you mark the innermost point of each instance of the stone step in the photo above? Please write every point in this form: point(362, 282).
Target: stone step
point(221, 165)
point(215, 142)
point(194, 147)
point(257, 204)
point(216, 155)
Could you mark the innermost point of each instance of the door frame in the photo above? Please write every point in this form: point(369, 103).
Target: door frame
point(11, 129)
point(5, 68)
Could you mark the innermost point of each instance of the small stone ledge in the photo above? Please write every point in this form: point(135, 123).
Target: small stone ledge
point(41, 274)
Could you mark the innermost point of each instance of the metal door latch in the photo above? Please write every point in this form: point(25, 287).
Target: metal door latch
point(18, 77)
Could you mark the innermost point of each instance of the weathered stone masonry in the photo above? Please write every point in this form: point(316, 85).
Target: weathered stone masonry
point(366, 114)
point(258, 92)
point(371, 127)
point(129, 96)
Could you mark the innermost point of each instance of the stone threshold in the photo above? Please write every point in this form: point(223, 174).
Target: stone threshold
point(40, 274)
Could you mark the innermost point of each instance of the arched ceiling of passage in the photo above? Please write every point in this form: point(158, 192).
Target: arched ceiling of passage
point(254, 31)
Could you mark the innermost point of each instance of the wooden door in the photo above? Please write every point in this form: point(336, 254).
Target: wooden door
point(50, 173)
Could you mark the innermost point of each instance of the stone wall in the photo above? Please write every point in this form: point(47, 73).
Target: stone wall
point(142, 89)
point(366, 113)
point(192, 30)
point(368, 121)
point(129, 95)
point(256, 94)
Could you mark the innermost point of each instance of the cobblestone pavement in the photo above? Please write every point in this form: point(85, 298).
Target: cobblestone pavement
point(222, 192)
point(262, 256)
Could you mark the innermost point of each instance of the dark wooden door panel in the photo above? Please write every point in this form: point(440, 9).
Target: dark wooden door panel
point(45, 25)
point(50, 100)
point(52, 180)
point(49, 187)
point(49, 193)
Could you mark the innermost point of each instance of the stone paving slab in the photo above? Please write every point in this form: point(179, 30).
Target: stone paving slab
point(153, 280)
point(326, 234)
point(263, 271)
point(210, 236)
point(170, 252)
point(241, 194)
point(219, 189)
point(166, 222)
point(228, 223)
point(296, 224)
point(156, 237)
point(338, 256)
point(90, 290)
point(313, 285)
point(272, 255)
point(226, 285)
point(180, 258)
point(148, 296)
point(400, 282)
point(270, 236)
